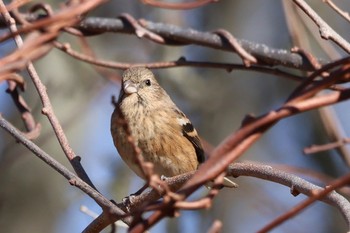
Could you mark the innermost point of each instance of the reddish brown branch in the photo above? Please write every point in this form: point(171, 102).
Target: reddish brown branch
point(234, 146)
point(112, 213)
point(47, 109)
point(316, 195)
point(146, 168)
point(227, 152)
point(14, 5)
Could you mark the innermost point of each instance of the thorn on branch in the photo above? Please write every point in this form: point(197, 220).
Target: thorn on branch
point(294, 191)
point(248, 119)
point(45, 111)
point(73, 181)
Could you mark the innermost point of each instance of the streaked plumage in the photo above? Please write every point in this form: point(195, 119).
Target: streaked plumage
point(163, 133)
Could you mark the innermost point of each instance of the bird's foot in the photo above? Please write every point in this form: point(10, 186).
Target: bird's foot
point(128, 201)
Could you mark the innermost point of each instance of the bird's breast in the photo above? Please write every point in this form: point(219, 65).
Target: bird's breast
point(160, 139)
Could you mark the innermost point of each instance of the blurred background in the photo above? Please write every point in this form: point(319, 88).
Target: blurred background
point(35, 198)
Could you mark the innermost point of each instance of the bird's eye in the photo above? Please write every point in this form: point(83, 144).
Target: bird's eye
point(148, 82)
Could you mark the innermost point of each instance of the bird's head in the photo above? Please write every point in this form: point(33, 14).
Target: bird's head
point(140, 84)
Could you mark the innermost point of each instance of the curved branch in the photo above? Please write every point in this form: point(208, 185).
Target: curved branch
point(71, 177)
point(295, 183)
point(237, 143)
point(175, 35)
point(182, 61)
point(41, 89)
point(113, 213)
point(326, 31)
point(260, 171)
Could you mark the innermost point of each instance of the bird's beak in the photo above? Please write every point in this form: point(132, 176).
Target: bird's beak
point(129, 87)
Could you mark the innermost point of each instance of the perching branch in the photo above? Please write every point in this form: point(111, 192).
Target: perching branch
point(41, 33)
point(237, 143)
point(238, 169)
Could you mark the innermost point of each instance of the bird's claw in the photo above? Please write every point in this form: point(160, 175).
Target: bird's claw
point(128, 201)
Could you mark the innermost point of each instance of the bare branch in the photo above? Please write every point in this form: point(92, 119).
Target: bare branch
point(239, 142)
point(344, 14)
point(41, 32)
point(328, 146)
point(180, 62)
point(47, 107)
point(179, 36)
point(239, 169)
point(316, 195)
point(71, 177)
point(326, 31)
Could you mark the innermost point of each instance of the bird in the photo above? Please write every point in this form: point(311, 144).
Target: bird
point(162, 132)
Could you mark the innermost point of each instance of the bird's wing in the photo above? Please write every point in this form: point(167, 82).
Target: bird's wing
point(190, 133)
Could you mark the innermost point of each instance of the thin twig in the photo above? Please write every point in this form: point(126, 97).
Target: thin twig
point(329, 118)
point(177, 35)
point(237, 143)
point(71, 177)
point(344, 14)
point(324, 147)
point(15, 4)
point(178, 63)
point(47, 107)
point(326, 31)
point(317, 195)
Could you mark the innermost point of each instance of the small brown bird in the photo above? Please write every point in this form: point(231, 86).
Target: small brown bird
point(164, 134)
